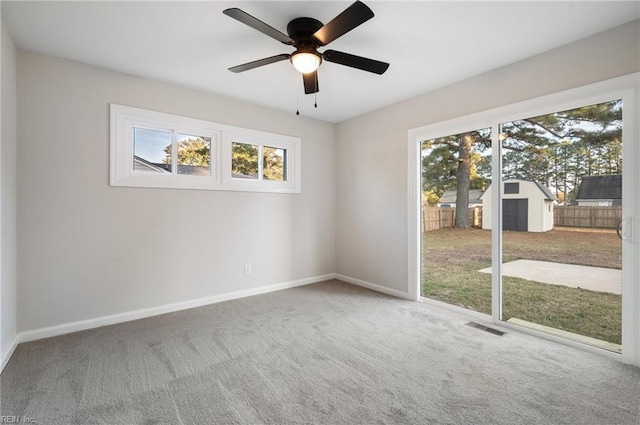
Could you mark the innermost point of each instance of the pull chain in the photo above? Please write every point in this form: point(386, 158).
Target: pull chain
point(315, 95)
point(298, 97)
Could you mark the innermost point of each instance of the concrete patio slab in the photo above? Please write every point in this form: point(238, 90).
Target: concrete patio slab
point(592, 278)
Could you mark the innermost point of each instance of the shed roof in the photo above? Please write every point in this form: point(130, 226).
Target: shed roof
point(544, 189)
point(600, 187)
point(550, 196)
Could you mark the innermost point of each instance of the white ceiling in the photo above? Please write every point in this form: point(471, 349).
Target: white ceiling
point(428, 44)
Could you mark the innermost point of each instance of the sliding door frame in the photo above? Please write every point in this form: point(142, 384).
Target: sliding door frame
point(626, 88)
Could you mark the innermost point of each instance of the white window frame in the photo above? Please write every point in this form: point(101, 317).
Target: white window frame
point(263, 140)
point(125, 118)
point(626, 88)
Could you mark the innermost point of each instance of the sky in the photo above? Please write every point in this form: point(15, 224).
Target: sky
point(150, 144)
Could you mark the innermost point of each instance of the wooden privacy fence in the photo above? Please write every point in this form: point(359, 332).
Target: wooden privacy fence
point(591, 217)
point(434, 218)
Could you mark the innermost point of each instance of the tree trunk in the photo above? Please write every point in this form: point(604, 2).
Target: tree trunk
point(463, 181)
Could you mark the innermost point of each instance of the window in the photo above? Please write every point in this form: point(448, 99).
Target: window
point(511, 188)
point(194, 155)
point(274, 162)
point(149, 154)
point(153, 149)
point(245, 162)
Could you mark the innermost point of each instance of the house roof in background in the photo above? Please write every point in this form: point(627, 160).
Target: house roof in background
point(450, 196)
point(600, 187)
point(428, 44)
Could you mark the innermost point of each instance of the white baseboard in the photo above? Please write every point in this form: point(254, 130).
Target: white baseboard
point(113, 319)
point(155, 311)
point(6, 355)
point(374, 287)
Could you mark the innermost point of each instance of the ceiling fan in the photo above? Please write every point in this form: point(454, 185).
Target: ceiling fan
point(307, 35)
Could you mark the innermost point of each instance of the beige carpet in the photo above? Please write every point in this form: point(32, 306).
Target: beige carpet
point(327, 353)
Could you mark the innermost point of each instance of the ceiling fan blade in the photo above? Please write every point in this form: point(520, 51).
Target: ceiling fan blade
point(354, 61)
point(260, 62)
point(356, 14)
point(310, 82)
point(257, 24)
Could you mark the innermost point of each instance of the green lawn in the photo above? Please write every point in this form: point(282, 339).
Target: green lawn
point(452, 258)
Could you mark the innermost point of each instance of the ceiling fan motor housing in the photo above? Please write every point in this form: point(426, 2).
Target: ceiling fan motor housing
point(301, 31)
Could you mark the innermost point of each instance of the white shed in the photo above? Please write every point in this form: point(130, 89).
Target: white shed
point(526, 206)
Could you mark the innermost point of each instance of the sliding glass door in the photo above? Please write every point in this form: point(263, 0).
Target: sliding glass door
point(561, 188)
point(525, 216)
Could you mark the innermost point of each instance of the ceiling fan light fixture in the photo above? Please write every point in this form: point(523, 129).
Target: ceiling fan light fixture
point(306, 35)
point(306, 62)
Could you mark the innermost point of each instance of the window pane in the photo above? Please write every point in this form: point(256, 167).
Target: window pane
point(244, 161)
point(194, 155)
point(274, 164)
point(151, 151)
point(562, 257)
point(456, 239)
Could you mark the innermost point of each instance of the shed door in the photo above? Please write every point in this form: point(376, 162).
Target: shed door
point(515, 214)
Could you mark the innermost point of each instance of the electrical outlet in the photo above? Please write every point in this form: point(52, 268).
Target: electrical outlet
point(247, 269)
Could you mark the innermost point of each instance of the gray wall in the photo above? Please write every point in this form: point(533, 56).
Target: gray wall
point(8, 196)
point(87, 250)
point(371, 241)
